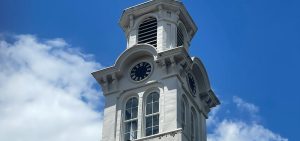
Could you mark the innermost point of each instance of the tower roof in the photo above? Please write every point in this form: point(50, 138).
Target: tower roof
point(153, 6)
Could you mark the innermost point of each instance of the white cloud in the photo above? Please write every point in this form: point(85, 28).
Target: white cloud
point(240, 131)
point(242, 105)
point(228, 129)
point(46, 92)
point(213, 119)
point(58, 42)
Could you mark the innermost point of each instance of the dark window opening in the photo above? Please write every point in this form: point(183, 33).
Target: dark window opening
point(180, 37)
point(147, 33)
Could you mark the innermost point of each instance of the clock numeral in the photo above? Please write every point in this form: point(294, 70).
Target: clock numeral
point(136, 78)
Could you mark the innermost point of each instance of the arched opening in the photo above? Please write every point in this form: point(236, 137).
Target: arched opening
point(147, 32)
point(194, 125)
point(152, 114)
point(131, 119)
point(183, 111)
point(180, 36)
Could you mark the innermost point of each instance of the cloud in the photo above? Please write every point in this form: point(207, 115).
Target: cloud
point(213, 119)
point(58, 42)
point(228, 129)
point(240, 131)
point(47, 92)
point(242, 105)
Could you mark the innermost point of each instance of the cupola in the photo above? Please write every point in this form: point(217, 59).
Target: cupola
point(164, 24)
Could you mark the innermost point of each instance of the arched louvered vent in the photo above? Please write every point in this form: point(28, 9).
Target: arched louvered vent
point(148, 32)
point(180, 37)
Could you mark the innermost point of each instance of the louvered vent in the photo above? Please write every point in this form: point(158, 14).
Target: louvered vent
point(180, 38)
point(148, 32)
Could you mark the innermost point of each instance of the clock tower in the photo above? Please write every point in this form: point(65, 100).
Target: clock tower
point(155, 90)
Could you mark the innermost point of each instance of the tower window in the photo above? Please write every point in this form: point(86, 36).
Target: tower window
point(180, 37)
point(152, 114)
point(131, 121)
point(183, 113)
point(194, 126)
point(147, 33)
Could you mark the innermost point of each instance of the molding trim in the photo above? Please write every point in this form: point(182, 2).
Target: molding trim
point(162, 135)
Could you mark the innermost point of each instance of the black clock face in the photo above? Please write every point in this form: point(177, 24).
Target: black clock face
point(140, 71)
point(192, 83)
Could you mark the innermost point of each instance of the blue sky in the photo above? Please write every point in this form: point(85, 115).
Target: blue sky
point(249, 47)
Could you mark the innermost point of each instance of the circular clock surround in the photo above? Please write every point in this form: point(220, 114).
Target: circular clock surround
point(192, 83)
point(140, 71)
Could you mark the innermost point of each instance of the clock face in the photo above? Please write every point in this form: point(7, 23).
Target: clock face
point(192, 83)
point(140, 71)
